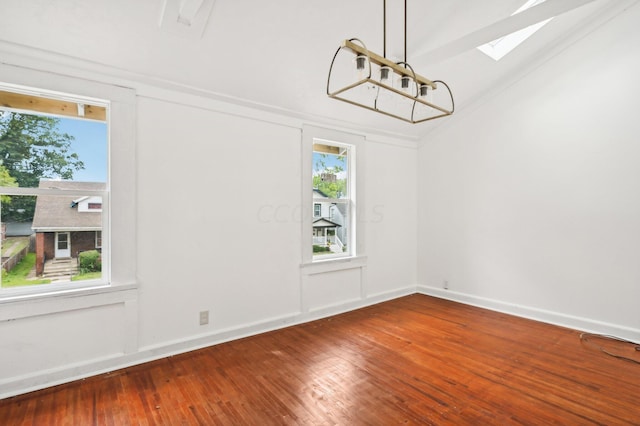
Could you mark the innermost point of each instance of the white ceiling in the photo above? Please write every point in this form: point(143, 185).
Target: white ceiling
point(276, 54)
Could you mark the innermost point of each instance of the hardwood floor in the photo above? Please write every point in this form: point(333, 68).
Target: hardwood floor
point(413, 360)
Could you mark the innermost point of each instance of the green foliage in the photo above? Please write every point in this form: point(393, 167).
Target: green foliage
point(18, 275)
point(88, 276)
point(331, 188)
point(320, 249)
point(6, 180)
point(90, 261)
point(31, 147)
point(335, 189)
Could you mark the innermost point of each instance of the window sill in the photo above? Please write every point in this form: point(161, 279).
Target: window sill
point(331, 265)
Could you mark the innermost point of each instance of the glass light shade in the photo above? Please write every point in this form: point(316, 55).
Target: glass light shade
point(405, 84)
point(362, 70)
point(386, 76)
point(426, 93)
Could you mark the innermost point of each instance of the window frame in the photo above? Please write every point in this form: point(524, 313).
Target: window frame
point(347, 201)
point(355, 244)
point(119, 242)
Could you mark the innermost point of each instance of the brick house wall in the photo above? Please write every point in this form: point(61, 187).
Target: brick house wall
point(45, 246)
point(82, 241)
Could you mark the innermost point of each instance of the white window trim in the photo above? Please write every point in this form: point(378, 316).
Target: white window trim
point(119, 232)
point(356, 231)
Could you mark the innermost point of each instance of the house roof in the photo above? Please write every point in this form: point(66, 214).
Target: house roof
point(319, 193)
point(60, 212)
point(324, 223)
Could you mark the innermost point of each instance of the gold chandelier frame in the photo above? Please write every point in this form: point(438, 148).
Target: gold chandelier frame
point(400, 69)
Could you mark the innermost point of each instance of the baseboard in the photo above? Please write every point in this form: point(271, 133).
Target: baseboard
point(550, 317)
point(68, 373)
point(43, 379)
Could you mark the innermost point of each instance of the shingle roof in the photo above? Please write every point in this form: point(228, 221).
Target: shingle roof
point(54, 212)
point(320, 193)
point(324, 223)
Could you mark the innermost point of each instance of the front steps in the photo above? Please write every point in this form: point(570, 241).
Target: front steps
point(60, 269)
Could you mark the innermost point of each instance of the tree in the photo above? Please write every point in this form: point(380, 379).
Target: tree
point(6, 180)
point(331, 188)
point(31, 148)
point(325, 176)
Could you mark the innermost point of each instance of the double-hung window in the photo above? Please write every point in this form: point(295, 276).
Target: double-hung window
point(54, 191)
point(332, 190)
point(331, 194)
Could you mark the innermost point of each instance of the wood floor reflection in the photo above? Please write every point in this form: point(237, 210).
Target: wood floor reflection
point(413, 360)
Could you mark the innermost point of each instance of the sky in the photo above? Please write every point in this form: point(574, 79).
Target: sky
point(329, 160)
point(90, 144)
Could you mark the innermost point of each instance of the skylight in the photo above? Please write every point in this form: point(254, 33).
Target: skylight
point(498, 48)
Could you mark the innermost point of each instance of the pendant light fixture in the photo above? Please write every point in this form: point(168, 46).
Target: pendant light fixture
point(388, 87)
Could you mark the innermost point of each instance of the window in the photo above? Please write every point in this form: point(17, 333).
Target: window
point(331, 188)
point(53, 183)
point(331, 193)
point(502, 46)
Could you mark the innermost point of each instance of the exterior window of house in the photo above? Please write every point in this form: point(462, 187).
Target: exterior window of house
point(332, 189)
point(53, 186)
point(317, 210)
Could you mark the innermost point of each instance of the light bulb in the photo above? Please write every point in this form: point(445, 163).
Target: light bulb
point(385, 76)
point(405, 84)
point(426, 93)
point(362, 71)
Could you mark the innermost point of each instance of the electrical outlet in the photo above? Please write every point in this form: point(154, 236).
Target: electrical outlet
point(445, 284)
point(204, 317)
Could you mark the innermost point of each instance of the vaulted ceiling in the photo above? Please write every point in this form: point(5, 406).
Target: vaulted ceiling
point(276, 54)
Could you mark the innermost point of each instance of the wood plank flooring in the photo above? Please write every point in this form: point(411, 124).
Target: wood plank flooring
point(413, 360)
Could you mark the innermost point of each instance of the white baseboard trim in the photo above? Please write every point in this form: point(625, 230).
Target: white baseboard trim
point(550, 317)
point(43, 379)
point(51, 377)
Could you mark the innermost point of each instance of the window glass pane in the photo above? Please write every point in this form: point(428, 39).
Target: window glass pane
point(57, 245)
point(330, 171)
point(56, 146)
point(331, 199)
point(34, 147)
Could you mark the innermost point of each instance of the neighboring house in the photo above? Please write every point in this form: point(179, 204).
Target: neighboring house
point(18, 229)
point(328, 223)
point(67, 225)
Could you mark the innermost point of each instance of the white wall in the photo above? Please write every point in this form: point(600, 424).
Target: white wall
point(530, 203)
point(391, 210)
point(218, 228)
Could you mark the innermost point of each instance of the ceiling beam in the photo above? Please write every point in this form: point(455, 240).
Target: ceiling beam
point(22, 102)
point(524, 19)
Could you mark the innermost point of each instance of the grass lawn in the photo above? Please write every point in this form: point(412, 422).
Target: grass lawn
point(87, 276)
point(18, 275)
